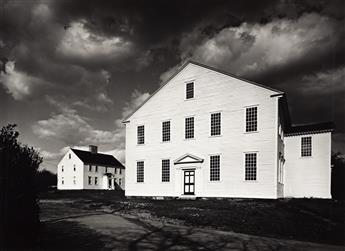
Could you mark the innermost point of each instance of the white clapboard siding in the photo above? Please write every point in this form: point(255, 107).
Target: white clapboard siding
point(308, 176)
point(214, 92)
point(68, 173)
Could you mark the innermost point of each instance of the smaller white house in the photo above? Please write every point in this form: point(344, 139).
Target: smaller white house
point(89, 170)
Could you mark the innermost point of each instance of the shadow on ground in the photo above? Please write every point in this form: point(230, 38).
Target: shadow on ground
point(67, 235)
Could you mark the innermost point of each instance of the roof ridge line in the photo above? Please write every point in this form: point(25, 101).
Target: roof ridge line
point(190, 61)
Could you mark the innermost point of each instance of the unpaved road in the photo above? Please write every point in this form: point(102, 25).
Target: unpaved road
point(127, 232)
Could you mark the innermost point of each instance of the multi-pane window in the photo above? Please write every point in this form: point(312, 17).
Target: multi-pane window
point(90, 168)
point(165, 170)
point(69, 156)
point(96, 169)
point(214, 167)
point(96, 180)
point(90, 180)
point(166, 131)
point(62, 169)
point(305, 146)
point(120, 170)
point(215, 124)
point(140, 135)
point(140, 171)
point(74, 169)
point(189, 128)
point(189, 90)
point(251, 119)
point(250, 166)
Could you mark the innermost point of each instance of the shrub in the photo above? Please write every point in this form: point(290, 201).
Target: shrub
point(19, 212)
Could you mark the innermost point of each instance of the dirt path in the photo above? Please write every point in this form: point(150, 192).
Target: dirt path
point(124, 232)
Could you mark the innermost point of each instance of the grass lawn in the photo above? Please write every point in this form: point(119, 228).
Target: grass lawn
point(300, 219)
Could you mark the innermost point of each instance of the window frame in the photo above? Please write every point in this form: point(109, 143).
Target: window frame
point(165, 174)
point(220, 124)
point(214, 174)
point(139, 137)
point(251, 171)
point(163, 131)
point(89, 180)
point(185, 127)
point(96, 181)
point(142, 172)
point(74, 168)
point(90, 168)
point(187, 97)
point(306, 149)
point(246, 108)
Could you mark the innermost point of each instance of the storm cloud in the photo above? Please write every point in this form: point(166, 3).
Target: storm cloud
point(70, 71)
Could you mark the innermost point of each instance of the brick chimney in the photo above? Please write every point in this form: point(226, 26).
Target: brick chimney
point(93, 149)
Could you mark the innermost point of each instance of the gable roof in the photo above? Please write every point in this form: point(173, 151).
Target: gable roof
point(188, 158)
point(310, 128)
point(97, 158)
point(204, 66)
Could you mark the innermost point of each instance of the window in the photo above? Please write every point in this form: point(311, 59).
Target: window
point(251, 119)
point(96, 169)
point(306, 146)
point(90, 180)
point(189, 90)
point(250, 166)
point(106, 169)
point(74, 169)
point(141, 135)
point(165, 170)
point(74, 181)
point(96, 180)
point(214, 167)
point(115, 180)
point(215, 124)
point(90, 168)
point(62, 181)
point(166, 131)
point(140, 171)
point(115, 170)
point(120, 170)
point(189, 128)
point(69, 156)
point(120, 182)
point(62, 169)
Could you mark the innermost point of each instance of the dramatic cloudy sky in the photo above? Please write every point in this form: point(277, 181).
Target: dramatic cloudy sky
point(71, 70)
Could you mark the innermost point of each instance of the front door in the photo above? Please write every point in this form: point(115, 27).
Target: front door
point(109, 183)
point(189, 182)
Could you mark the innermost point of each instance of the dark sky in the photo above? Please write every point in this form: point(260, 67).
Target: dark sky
point(71, 70)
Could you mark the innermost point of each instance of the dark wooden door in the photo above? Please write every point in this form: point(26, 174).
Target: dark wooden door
point(189, 182)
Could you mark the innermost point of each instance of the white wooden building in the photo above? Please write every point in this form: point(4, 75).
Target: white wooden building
point(207, 133)
point(89, 170)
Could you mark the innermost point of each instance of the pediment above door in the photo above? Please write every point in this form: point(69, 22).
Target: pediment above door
point(188, 159)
